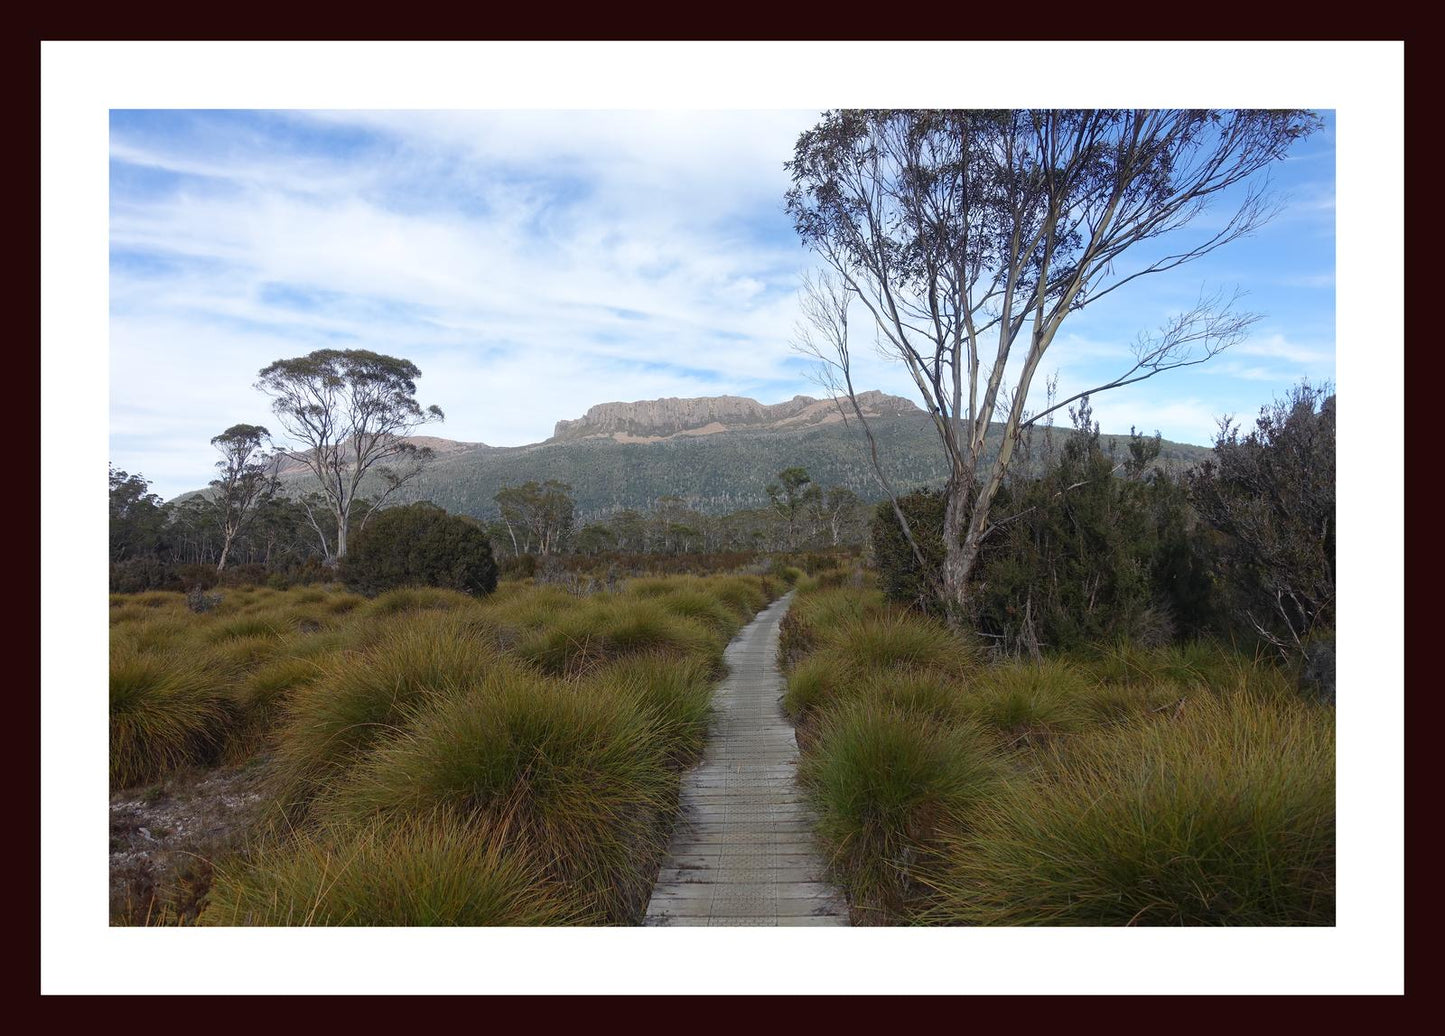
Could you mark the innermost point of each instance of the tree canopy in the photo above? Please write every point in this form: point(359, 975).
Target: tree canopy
point(968, 237)
point(350, 410)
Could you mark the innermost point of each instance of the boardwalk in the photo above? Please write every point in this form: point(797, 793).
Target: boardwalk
point(742, 853)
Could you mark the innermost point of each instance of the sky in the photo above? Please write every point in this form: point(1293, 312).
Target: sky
point(534, 263)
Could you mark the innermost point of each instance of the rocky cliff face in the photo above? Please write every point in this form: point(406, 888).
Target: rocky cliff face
point(653, 419)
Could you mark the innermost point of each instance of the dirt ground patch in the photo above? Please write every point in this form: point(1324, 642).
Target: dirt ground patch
point(165, 837)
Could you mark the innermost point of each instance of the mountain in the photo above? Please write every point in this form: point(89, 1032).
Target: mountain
point(651, 420)
point(717, 453)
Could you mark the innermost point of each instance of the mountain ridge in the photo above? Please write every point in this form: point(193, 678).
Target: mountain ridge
point(717, 453)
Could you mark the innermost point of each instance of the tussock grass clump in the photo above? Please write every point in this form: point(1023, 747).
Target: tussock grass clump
point(813, 683)
point(126, 612)
point(927, 695)
point(817, 614)
point(884, 782)
point(344, 604)
point(530, 608)
point(860, 652)
point(419, 598)
point(267, 687)
point(675, 694)
point(160, 599)
point(745, 595)
point(165, 710)
point(245, 626)
point(703, 607)
point(607, 629)
point(652, 586)
point(577, 779)
point(1221, 814)
point(901, 641)
point(230, 657)
point(437, 870)
point(362, 697)
point(1029, 701)
point(152, 632)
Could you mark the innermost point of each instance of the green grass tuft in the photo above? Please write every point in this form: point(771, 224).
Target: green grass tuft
point(579, 780)
point(437, 870)
point(884, 782)
point(605, 630)
point(364, 697)
point(1223, 813)
point(164, 711)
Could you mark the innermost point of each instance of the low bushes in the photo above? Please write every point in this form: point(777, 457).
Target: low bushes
point(420, 545)
point(1169, 785)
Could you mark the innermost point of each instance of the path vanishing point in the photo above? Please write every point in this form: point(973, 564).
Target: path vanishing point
point(742, 852)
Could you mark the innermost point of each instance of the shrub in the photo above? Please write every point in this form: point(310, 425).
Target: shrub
point(137, 575)
point(521, 566)
point(245, 575)
point(1271, 494)
point(420, 545)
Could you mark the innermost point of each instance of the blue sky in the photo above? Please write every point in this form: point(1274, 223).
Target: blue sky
point(533, 263)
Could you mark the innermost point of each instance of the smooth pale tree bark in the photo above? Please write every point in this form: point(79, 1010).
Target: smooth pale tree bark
point(969, 237)
point(248, 478)
point(351, 410)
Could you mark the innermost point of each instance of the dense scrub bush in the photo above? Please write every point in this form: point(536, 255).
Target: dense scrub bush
point(137, 575)
point(420, 545)
point(1271, 495)
point(519, 566)
point(244, 575)
point(1091, 548)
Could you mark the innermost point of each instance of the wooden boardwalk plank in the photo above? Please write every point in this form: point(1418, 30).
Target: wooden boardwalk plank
point(742, 852)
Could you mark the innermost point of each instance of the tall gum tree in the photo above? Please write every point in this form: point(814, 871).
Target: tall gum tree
point(351, 410)
point(247, 479)
point(969, 237)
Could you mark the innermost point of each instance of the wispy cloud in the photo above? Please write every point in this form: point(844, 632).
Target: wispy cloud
point(532, 263)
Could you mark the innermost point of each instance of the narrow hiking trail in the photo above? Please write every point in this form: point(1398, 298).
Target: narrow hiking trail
point(742, 852)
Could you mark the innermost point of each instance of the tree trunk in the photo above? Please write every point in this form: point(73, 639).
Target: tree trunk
point(959, 555)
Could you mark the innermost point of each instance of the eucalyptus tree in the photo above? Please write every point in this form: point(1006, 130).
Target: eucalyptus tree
point(351, 411)
point(247, 480)
point(789, 498)
point(968, 237)
point(542, 514)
